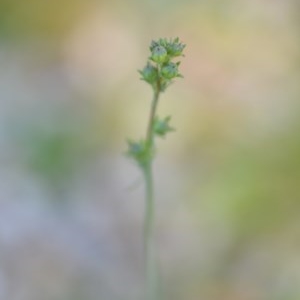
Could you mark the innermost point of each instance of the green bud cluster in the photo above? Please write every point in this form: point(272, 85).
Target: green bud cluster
point(160, 70)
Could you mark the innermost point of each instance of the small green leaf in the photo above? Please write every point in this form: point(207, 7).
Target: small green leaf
point(139, 151)
point(162, 127)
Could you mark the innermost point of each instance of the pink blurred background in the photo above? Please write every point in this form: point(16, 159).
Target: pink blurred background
point(227, 181)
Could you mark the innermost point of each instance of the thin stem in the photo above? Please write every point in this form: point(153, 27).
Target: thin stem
point(150, 259)
point(149, 138)
point(158, 73)
point(152, 284)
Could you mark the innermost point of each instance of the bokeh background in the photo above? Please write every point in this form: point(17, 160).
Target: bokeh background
point(227, 182)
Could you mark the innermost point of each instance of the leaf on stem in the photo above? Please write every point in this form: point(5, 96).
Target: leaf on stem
point(161, 126)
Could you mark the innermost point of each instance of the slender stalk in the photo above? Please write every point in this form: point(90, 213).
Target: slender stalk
point(151, 269)
point(149, 137)
point(159, 72)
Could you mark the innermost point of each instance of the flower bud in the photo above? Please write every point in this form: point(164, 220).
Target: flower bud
point(159, 54)
point(170, 70)
point(175, 49)
point(149, 73)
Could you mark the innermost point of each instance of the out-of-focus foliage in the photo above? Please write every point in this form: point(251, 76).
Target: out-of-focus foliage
point(43, 19)
point(227, 182)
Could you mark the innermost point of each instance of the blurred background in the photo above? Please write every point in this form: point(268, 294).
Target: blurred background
point(227, 181)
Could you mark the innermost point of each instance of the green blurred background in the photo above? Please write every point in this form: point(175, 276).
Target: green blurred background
point(227, 182)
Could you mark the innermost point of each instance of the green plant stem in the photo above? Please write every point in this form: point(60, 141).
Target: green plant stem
point(151, 270)
point(149, 137)
point(159, 72)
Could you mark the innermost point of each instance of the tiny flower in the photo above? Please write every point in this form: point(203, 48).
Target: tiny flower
point(170, 70)
point(149, 73)
point(159, 54)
